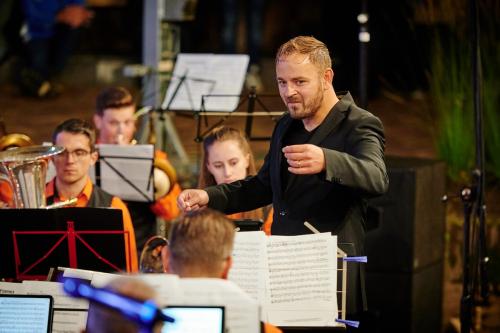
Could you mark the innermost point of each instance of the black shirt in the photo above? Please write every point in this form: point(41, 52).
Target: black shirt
point(295, 135)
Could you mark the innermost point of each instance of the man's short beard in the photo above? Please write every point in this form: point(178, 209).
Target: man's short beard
point(308, 111)
point(302, 115)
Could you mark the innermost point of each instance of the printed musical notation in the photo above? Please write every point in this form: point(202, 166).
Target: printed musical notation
point(294, 277)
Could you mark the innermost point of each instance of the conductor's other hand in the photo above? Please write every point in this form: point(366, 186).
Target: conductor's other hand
point(190, 200)
point(304, 159)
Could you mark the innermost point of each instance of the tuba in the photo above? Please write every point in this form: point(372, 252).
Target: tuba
point(15, 140)
point(26, 169)
point(164, 177)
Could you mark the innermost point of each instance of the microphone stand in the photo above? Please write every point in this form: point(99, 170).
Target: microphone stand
point(166, 108)
point(364, 40)
point(474, 250)
point(167, 126)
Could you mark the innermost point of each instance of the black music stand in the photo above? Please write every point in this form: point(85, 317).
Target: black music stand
point(34, 240)
point(113, 158)
point(248, 224)
point(250, 99)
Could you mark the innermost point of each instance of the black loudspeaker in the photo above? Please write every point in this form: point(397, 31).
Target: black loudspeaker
point(405, 248)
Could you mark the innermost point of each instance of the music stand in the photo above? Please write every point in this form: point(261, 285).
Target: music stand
point(125, 171)
point(201, 74)
point(248, 224)
point(341, 300)
point(250, 99)
point(34, 240)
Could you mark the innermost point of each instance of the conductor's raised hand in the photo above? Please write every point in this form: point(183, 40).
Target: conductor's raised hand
point(190, 200)
point(304, 159)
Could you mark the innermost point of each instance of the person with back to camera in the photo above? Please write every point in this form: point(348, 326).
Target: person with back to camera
point(227, 157)
point(102, 319)
point(326, 158)
point(200, 246)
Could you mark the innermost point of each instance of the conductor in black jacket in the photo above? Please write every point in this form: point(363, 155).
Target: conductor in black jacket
point(326, 158)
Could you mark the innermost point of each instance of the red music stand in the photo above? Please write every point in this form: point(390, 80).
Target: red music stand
point(34, 240)
point(72, 236)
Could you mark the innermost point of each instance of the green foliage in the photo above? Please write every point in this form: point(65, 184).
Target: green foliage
point(491, 101)
point(451, 97)
point(451, 86)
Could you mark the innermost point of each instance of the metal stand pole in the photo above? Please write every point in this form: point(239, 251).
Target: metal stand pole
point(364, 39)
point(160, 49)
point(474, 254)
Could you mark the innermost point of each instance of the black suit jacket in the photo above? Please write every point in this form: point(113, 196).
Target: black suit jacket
point(334, 200)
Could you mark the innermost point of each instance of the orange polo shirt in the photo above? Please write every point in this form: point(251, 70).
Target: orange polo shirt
point(268, 328)
point(82, 201)
point(6, 194)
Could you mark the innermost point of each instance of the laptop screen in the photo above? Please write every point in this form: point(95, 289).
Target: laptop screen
point(25, 313)
point(195, 319)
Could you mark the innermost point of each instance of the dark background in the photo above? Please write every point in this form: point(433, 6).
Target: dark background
point(396, 53)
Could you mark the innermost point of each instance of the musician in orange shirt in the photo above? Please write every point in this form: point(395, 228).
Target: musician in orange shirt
point(72, 180)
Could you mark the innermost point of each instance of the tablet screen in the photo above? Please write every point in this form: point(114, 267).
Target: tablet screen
point(25, 313)
point(195, 319)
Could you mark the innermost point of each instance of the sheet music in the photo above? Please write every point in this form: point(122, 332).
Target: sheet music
point(250, 268)
point(61, 300)
point(70, 314)
point(134, 163)
point(78, 273)
point(12, 288)
point(303, 280)
point(97, 279)
point(69, 321)
point(63, 321)
point(24, 314)
point(166, 287)
point(242, 311)
point(201, 74)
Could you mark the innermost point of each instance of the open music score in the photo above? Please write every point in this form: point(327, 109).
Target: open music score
point(196, 75)
point(296, 279)
point(125, 171)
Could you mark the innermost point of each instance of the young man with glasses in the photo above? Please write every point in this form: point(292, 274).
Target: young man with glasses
point(72, 180)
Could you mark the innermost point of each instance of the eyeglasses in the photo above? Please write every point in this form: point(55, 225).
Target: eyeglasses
point(77, 154)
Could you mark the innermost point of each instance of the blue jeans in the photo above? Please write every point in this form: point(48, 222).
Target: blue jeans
point(48, 56)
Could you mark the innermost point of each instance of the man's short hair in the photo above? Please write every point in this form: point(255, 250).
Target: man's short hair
point(200, 240)
point(113, 98)
point(76, 126)
point(307, 45)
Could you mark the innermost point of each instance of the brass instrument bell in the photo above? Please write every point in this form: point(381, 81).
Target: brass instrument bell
point(26, 169)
